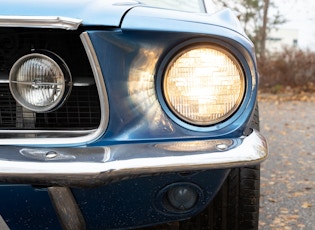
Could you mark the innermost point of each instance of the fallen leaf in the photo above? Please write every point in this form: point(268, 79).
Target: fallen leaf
point(306, 205)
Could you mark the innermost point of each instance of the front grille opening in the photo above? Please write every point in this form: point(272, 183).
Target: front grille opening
point(7, 108)
point(80, 112)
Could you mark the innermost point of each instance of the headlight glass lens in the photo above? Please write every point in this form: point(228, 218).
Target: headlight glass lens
point(204, 85)
point(37, 82)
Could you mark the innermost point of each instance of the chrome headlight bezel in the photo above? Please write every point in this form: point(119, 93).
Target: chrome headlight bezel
point(245, 68)
point(36, 79)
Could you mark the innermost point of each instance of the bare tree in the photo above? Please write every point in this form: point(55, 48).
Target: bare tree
point(264, 29)
point(256, 19)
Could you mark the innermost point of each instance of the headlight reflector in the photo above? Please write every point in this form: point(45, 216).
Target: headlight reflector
point(204, 85)
point(39, 82)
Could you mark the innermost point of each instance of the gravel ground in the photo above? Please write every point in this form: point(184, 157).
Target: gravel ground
point(288, 176)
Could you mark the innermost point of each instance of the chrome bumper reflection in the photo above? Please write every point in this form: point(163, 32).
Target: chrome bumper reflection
point(93, 166)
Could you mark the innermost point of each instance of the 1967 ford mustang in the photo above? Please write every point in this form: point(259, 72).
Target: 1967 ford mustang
point(127, 114)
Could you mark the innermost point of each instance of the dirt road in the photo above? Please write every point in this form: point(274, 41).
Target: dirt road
point(288, 176)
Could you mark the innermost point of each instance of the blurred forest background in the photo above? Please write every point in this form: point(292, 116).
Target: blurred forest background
point(290, 70)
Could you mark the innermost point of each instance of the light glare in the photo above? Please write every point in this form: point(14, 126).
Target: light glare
point(204, 85)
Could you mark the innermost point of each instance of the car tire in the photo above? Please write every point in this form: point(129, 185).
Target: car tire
point(236, 205)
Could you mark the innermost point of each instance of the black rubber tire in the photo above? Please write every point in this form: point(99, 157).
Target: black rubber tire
point(236, 205)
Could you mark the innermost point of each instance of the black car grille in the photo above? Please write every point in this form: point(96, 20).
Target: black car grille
point(81, 111)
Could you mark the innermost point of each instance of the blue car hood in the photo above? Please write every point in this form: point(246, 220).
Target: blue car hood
point(91, 12)
point(112, 12)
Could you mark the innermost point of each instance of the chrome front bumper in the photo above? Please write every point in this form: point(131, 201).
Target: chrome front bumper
point(91, 166)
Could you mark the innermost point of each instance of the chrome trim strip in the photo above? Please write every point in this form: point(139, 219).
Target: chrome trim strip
point(99, 80)
point(38, 131)
point(89, 135)
point(101, 165)
point(79, 81)
point(4, 79)
point(53, 22)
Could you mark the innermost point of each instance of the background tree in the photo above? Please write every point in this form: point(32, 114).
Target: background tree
point(257, 17)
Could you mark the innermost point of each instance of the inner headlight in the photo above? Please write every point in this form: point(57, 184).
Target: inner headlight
point(204, 85)
point(40, 81)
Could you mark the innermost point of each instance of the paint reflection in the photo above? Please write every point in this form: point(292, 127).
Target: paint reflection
point(141, 88)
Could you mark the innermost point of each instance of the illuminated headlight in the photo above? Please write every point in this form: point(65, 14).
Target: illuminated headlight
point(204, 85)
point(40, 81)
